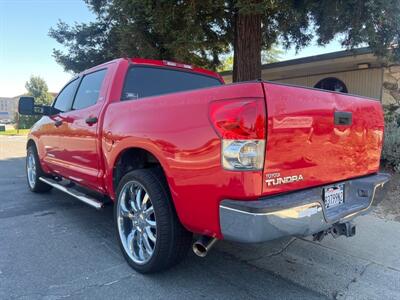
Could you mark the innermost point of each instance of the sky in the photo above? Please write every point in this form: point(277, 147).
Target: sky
point(26, 49)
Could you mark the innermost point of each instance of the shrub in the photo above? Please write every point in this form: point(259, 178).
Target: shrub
point(391, 147)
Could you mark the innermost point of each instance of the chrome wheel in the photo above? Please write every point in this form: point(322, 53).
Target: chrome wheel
point(136, 222)
point(31, 169)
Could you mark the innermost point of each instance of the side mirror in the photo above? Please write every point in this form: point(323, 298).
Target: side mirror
point(26, 106)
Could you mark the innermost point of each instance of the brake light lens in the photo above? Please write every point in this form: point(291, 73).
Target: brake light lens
point(241, 126)
point(238, 119)
point(178, 65)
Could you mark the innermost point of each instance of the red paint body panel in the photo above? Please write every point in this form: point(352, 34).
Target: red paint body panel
point(303, 140)
point(176, 129)
point(73, 149)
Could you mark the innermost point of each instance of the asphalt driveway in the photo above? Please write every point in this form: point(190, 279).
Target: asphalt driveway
point(52, 246)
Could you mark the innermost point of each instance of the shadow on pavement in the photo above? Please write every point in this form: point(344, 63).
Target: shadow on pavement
point(54, 246)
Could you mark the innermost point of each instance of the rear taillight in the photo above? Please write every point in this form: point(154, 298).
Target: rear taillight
point(241, 126)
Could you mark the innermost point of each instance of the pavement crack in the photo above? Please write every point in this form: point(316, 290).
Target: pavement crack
point(365, 269)
point(81, 290)
point(342, 294)
point(45, 214)
point(350, 255)
point(250, 263)
point(276, 253)
point(91, 275)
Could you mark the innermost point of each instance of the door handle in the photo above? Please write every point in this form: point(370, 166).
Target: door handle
point(58, 123)
point(343, 118)
point(91, 120)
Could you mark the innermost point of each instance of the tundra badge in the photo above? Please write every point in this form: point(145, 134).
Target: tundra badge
point(276, 179)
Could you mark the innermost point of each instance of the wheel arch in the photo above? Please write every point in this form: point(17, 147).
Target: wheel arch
point(133, 158)
point(145, 158)
point(30, 143)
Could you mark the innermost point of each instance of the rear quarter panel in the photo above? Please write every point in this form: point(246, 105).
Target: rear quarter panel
point(176, 129)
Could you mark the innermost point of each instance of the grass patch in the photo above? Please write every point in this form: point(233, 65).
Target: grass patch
point(14, 132)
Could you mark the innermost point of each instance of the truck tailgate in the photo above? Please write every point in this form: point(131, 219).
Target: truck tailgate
point(318, 137)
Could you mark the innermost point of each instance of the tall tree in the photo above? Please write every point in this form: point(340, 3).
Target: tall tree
point(203, 31)
point(37, 88)
point(189, 31)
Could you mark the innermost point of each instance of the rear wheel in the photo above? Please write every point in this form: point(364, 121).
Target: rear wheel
point(34, 171)
point(150, 235)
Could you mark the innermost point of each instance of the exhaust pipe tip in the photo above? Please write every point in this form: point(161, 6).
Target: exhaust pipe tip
point(203, 245)
point(199, 249)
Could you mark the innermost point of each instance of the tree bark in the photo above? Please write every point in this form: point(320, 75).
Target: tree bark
point(247, 47)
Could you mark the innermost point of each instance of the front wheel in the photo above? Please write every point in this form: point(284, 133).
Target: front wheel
point(34, 171)
point(150, 235)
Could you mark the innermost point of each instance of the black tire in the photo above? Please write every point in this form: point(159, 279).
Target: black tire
point(172, 239)
point(35, 185)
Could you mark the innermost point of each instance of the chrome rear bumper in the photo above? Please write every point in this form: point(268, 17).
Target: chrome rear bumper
point(300, 213)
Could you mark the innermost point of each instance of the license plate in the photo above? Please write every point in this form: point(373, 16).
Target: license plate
point(333, 195)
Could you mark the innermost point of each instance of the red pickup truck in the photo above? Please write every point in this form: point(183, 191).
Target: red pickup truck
point(179, 152)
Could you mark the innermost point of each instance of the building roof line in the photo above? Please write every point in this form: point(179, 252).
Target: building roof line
point(310, 59)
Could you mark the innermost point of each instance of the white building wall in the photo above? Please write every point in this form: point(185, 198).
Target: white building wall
point(365, 82)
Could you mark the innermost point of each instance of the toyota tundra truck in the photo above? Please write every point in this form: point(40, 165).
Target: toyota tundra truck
point(181, 154)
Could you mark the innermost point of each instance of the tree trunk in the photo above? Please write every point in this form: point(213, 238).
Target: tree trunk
point(247, 47)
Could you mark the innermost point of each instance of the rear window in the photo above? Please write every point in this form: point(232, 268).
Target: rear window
point(149, 81)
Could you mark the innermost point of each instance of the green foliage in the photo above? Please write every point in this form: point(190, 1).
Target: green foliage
point(371, 22)
point(188, 31)
point(203, 31)
point(272, 55)
point(226, 64)
point(26, 122)
point(37, 88)
point(391, 148)
point(267, 56)
point(392, 114)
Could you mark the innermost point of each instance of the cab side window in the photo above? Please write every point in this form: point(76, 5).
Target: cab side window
point(89, 90)
point(64, 99)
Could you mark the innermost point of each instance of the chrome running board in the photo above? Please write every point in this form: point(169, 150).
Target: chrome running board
point(74, 193)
